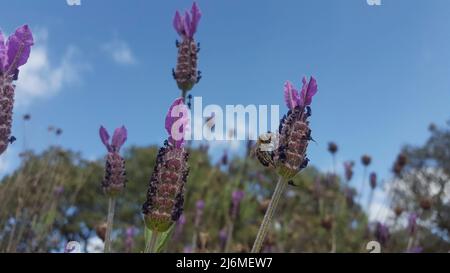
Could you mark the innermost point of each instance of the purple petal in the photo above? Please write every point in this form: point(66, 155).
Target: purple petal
point(187, 25)
point(19, 48)
point(119, 138)
point(104, 136)
point(308, 91)
point(290, 95)
point(2, 51)
point(178, 23)
point(175, 124)
point(196, 15)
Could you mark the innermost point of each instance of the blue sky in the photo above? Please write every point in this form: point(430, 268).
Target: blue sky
point(383, 71)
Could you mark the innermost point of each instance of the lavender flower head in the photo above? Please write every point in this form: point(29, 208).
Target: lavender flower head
point(179, 227)
point(165, 195)
point(199, 206)
point(115, 175)
point(186, 74)
point(415, 249)
point(412, 223)
point(289, 157)
point(223, 237)
point(13, 54)
point(382, 233)
point(129, 238)
point(236, 198)
point(373, 180)
point(348, 168)
point(365, 160)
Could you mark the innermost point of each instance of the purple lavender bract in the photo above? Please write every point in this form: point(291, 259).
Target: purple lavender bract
point(13, 54)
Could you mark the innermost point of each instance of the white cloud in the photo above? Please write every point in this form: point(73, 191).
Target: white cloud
point(6, 160)
point(120, 52)
point(41, 77)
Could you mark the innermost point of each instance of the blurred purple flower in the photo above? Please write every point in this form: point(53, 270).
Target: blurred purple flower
point(373, 180)
point(199, 206)
point(415, 249)
point(179, 227)
point(223, 236)
point(412, 223)
point(58, 190)
point(188, 249)
point(348, 168)
point(382, 233)
point(236, 198)
point(129, 239)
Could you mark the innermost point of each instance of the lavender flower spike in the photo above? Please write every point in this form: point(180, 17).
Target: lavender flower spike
point(412, 223)
point(186, 74)
point(115, 175)
point(13, 54)
point(294, 134)
point(236, 198)
point(165, 195)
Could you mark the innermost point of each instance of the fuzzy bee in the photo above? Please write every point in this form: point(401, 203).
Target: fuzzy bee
point(264, 150)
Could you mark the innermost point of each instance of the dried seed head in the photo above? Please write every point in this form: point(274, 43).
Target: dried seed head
point(426, 203)
point(327, 222)
point(373, 180)
point(398, 211)
point(332, 147)
point(348, 167)
point(399, 164)
point(365, 160)
point(165, 196)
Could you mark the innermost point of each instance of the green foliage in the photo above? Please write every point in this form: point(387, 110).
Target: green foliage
point(37, 216)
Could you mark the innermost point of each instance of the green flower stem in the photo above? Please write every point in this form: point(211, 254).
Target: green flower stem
point(229, 236)
point(151, 244)
point(109, 225)
point(267, 221)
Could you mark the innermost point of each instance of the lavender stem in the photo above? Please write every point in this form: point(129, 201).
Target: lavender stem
point(266, 223)
point(109, 224)
point(150, 247)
